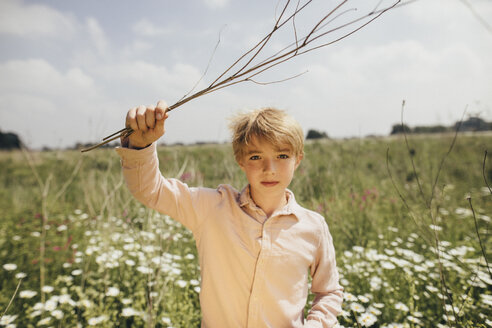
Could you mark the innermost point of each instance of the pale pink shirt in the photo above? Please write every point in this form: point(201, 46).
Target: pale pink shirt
point(254, 269)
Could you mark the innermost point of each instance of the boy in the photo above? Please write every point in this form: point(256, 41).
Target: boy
point(256, 246)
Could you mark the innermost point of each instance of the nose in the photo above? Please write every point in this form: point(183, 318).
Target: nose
point(268, 166)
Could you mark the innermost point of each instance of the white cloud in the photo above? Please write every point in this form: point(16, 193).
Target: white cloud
point(143, 79)
point(442, 21)
point(33, 20)
point(97, 35)
point(37, 76)
point(358, 90)
point(447, 11)
point(145, 28)
point(48, 105)
point(45, 104)
point(216, 3)
point(137, 48)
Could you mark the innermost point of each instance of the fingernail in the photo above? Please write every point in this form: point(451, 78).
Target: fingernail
point(159, 116)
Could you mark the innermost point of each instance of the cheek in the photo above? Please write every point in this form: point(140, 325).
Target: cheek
point(250, 169)
point(291, 169)
point(284, 170)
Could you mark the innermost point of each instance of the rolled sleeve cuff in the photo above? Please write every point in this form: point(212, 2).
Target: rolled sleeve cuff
point(313, 324)
point(130, 157)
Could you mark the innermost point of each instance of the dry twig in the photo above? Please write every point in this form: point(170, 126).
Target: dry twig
point(483, 171)
point(250, 64)
point(482, 247)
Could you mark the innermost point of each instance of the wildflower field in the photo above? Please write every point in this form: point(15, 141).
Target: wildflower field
point(410, 223)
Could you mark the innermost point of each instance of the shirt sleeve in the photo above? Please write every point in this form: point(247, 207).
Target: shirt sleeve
point(168, 196)
point(327, 303)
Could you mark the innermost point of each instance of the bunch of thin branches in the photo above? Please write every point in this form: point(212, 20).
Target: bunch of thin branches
point(254, 61)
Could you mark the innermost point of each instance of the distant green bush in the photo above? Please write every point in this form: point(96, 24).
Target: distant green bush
point(9, 141)
point(472, 124)
point(315, 134)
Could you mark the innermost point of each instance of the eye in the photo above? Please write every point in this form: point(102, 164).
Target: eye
point(283, 156)
point(254, 158)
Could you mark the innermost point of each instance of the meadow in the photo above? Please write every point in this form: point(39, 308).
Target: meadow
point(410, 223)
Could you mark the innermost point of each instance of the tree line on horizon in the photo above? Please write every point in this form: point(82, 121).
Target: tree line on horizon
point(11, 141)
point(472, 124)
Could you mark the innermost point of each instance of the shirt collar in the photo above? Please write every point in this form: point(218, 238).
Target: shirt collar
point(245, 200)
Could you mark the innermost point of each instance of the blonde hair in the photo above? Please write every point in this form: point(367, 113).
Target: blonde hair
point(270, 124)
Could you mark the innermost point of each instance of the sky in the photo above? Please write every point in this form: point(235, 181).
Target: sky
point(70, 70)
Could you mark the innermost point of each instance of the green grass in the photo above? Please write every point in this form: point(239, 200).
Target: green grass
point(69, 223)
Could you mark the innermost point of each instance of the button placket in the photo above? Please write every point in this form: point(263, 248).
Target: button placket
point(260, 263)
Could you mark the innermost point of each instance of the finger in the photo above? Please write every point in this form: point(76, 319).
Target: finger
point(150, 116)
point(131, 119)
point(161, 110)
point(161, 116)
point(159, 126)
point(142, 124)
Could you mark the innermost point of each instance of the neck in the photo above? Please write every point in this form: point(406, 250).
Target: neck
point(269, 203)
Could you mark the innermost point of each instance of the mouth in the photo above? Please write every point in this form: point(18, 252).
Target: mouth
point(269, 183)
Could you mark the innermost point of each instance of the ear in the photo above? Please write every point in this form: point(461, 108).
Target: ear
point(298, 159)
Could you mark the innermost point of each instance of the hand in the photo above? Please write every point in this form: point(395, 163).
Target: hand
point(147, 123)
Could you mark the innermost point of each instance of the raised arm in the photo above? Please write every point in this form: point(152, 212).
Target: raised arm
point(141, 168)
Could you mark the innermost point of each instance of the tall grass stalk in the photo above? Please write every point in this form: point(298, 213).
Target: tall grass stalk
point(11, 299)
point(44, 187)
point(454, 318)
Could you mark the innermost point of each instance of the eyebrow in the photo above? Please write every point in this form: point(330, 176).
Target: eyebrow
point(279, 150)
point(253, 151)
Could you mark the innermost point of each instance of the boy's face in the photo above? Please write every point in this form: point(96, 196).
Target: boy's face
point(269, 168)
